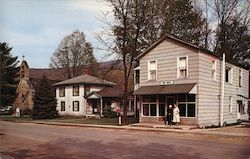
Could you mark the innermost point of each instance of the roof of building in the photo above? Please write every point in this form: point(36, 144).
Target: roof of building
point(54, 74)
point(85, 79)
point(111, 92)
point(166, 89)
point(107, 92)
point(184, 43)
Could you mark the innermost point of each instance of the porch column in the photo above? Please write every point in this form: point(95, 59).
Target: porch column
point(135, 107)
point(101, 106)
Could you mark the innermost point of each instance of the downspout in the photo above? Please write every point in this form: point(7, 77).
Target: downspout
point(101, 107)
point(222, 91)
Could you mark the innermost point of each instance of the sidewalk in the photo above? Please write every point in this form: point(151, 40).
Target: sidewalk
point(157, 128)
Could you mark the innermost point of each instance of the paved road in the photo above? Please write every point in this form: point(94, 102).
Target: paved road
point(26, 140)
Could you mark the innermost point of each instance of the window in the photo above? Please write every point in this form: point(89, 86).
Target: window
point(214, 70)
point(152, 109)
point(228, 75)
point(182, 67)
point(132, 108)
point(149, 105)
point(75, 90)
point(86, 89)
point(241, 107)
point(137, 76)
point(62, 106)
point(76, 106)
point(186, 104)
point(62, 92)
point(152, 70)
point(230, 104)
point(146, 109)
point(240, 78)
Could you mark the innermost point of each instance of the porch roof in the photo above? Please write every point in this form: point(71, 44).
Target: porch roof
point(166, 89)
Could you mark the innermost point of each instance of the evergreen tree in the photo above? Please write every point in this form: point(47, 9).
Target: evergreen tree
point(8, 74)
point(45, 102)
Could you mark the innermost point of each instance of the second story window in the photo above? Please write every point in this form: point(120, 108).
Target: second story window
point(228, 75)
point(137, 76)
point(214, 70)
point(240, 78)
point(62, 92)
point(152, 70)
point(75, 90)
point(182, 67)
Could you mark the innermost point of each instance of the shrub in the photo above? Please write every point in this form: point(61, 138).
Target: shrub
point(109, 113)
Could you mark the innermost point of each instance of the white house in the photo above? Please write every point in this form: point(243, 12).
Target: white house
point(86, 95)
point(208, 90)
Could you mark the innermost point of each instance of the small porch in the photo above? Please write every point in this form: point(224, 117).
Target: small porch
point(109, 97)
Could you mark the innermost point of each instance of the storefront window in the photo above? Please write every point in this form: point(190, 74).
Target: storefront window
point(182, 97)
point(186, 103)
point(150, 105)
point(146, 109)
point(191, 110)
point(162, 98)
point(183, 110)
point(152, 109)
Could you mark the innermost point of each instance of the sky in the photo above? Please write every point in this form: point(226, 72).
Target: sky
point(34, 28)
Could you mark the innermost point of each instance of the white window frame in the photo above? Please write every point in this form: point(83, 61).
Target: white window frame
point(73, 108)
point(230, 74)
point(178, 66)
point(230, 104)
point(150, 70)
point(62, 91)
point(61, 106)
point(214, 73)
point(76, 89)
point(186, 104)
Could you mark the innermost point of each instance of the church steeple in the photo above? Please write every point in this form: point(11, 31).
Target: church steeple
point(24, 70)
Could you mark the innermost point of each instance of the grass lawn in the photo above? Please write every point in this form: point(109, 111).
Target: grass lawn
point(13, 118)
point(101, 121)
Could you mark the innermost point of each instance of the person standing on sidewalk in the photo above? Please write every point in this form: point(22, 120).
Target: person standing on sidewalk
point(176, 115)
point(169, 115)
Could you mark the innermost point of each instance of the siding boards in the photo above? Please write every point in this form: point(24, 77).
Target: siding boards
point(208, 90)
point(166, 55)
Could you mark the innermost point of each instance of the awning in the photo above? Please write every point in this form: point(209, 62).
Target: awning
point(167, 89)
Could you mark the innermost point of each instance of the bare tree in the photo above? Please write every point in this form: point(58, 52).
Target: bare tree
point(226, 12)
point(73, 53)
point(139, 23)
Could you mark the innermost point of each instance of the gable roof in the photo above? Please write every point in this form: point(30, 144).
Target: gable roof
point(85, 79)
point(177, 40)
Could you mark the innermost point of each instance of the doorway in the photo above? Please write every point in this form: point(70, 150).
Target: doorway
point(170, 101)
point(240, 109)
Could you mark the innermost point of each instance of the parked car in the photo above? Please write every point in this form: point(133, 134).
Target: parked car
point(8, 108)
point(2, 109)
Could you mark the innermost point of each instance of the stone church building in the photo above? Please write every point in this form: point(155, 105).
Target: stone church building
point(25, 91)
